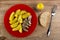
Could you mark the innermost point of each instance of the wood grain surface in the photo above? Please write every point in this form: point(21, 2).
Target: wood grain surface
point(40, 32)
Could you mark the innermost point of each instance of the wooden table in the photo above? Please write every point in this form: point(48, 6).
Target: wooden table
point(40, 32)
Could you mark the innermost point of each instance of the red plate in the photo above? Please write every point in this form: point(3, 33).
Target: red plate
point(22, 7)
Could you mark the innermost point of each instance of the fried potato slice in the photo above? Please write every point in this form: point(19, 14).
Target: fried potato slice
point(20, 30)
point(20, 20)
point(26, 15)
point(17, 13)
point(13, 21)
point(16, 29)
point(11, 16)
point(23, 12)
point(14, 25)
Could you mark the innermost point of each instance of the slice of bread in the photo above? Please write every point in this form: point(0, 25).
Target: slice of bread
point(45, 18)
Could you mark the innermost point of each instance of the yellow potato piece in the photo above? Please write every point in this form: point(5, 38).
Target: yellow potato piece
point(25, 15)
point(20, 20)
point(11, 16)
point(13, 21)
point(17, 13)
point(23, 12)
point(14, 25)
point(20, 30)
point(17, 28)
point(28, 14)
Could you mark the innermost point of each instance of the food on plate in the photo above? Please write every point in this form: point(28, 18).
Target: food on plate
point(23, 12)
point(20, 29)
point(13, 21)
point(20, 20)
point(17, 12)
point(25, 29)
point(40, 6)
point(16, 28)
point(11, 16)
point(14, 25)
point(45, 18)
point(26, 15)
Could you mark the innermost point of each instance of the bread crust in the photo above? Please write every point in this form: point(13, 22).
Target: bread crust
point(47, 19)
